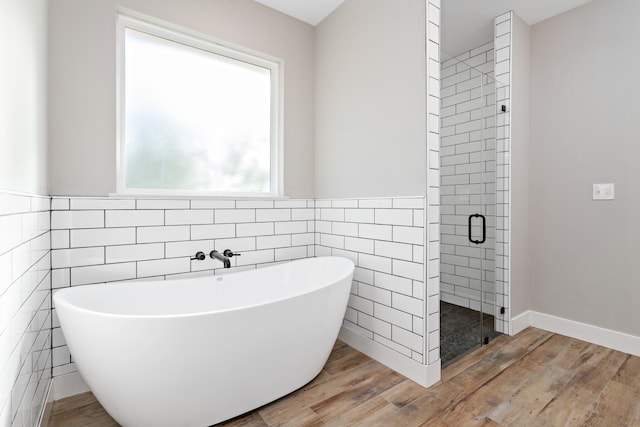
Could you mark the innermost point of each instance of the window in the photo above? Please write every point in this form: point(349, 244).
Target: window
point(195, 116)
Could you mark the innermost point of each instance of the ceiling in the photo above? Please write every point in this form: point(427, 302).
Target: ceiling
point(465, 23)
point(309, 11)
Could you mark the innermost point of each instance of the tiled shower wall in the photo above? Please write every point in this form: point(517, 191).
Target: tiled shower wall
point(468, 178)
point(112, 240)
point(25, 302)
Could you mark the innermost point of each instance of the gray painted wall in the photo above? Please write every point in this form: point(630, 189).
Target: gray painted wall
point(584, 130)
point(83, 79)
point(23, 96)
point(370, 100)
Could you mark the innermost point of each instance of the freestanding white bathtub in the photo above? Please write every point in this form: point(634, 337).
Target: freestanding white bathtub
point(194, 352)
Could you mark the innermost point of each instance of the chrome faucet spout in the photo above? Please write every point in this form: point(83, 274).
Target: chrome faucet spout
point(220, 257)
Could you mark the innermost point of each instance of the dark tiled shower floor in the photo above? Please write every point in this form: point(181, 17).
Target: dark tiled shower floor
point(460, 331)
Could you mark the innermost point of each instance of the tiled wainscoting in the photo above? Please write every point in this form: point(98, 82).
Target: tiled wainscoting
point(113, 240)
point(468, 178)
point(98, 240)
point(25, 302)
point(385, 240)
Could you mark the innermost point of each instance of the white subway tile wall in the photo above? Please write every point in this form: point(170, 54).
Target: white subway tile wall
point(468, 178)
point(99, 240)
point(385, 238)
point(503, 44)
point(387, 246)
point(431, 233)
point(25, 307)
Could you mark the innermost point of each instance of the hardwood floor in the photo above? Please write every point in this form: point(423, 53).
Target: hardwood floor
point(79, 410)
point(536, 378)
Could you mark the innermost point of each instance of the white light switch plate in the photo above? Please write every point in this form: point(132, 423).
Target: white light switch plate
point(603, 191)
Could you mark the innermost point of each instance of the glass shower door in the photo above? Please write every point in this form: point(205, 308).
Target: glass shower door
point(468, 207)
point(488, 305)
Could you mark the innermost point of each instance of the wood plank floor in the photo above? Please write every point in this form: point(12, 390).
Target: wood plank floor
point(536, 378)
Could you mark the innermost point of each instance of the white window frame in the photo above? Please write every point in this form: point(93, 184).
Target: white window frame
point(175, 33)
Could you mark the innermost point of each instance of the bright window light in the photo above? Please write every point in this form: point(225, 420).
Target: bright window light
point(196, 117)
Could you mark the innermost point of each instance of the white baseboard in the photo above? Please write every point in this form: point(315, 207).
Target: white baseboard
point(593, 334)
point(68, 385)
point(425, 375)
point(520, 322)
point(582, 331)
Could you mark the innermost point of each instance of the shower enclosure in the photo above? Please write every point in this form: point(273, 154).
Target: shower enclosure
point(469, 114)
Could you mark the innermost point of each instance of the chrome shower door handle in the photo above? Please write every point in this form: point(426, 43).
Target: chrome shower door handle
point(484, 229)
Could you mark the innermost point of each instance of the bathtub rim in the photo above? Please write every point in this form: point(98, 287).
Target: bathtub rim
point(61, 300)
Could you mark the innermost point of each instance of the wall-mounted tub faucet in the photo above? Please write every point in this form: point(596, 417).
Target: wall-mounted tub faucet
point(220, 257)
point(224, 257)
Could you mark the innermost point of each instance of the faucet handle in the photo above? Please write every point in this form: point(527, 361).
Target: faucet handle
point(229, 253)
point(200, 256)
